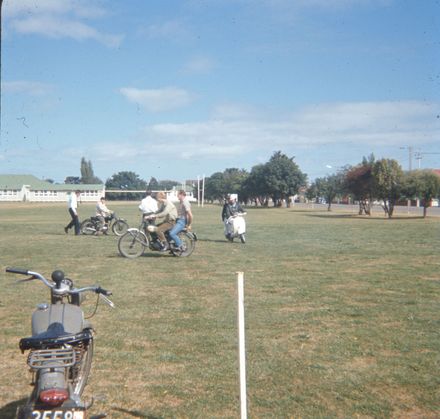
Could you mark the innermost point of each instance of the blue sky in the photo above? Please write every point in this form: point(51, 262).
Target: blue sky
point(180, 88)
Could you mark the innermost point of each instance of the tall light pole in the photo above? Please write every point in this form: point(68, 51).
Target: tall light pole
point(419, 155)
point(410, 156)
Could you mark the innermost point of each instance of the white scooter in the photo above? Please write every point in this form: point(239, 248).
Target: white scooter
point(235, 226)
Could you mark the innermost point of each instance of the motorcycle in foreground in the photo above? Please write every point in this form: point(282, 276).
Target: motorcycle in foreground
point(60, 350)
point(235, 226)
point(134, 242)
point(94, 225)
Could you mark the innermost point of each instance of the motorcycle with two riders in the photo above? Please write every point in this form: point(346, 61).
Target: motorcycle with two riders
point(135, 241)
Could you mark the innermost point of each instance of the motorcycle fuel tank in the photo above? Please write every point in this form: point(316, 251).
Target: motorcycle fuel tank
point(69, 316)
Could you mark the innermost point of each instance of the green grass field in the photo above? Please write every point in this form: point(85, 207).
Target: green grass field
point(342, 315)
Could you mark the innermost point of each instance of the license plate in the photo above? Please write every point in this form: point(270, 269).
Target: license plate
point(58, 414)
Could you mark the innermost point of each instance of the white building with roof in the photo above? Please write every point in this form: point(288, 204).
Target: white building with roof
point(28, 188)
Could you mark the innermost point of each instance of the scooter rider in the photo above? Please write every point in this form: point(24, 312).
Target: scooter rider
point(230, 208)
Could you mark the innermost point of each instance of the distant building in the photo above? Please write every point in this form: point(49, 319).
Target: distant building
point(28, 188)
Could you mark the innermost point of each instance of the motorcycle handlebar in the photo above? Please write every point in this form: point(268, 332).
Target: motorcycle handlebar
point(94, 288)
point(102, 291)
point(17, 271)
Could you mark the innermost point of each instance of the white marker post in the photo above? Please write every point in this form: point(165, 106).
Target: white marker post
point(241, 344)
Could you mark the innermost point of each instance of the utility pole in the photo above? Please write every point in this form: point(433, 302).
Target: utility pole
point(410, 155)
point(419, 155)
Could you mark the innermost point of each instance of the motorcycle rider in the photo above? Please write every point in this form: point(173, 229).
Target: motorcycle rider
point(168, 213)
point(103, 213)
point(148, 205)
point(230, 208)
point(184, 218)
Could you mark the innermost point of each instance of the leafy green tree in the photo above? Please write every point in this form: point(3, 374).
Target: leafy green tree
point(359, 181)
point(256, 187)
point(283, 178)
point(312, 192)
point(277, 179)
point(424, 185)
point(388, 183)
point(232, 180)
point(129, 181)
point(153, 184)
point(167, 185)
point(72, 180)
point(215, 187)
point(87, 175)
point(329, 187)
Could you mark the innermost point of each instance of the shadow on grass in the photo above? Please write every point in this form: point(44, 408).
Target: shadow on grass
point(9, 410)
point(363, 217)
point(212, 240)
point(136, 413)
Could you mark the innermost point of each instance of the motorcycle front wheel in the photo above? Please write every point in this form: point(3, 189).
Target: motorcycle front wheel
point(188, 244)
point(132, 244)
point(81, 371)
point(88, 227)
point(119, 227)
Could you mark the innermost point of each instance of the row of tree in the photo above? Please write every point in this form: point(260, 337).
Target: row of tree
point(279, 179)
point(87, 175)
point(370, 181)
point(121, 181)
point(382, 180)
point(130, 181)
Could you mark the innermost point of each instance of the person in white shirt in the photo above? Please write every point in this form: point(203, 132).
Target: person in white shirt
point(103, 213)
point(148, 205)
point(72, 205)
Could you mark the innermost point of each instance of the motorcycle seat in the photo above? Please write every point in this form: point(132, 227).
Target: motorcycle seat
point(54, 336)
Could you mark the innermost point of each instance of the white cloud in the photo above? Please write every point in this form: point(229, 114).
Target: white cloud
point(199, 65)
point(236, 111)
point(365, 123)
point(158, 100)
point(175, 30)
point(325, 4)
point(28, 87)
point(374, 122)
point(83, 8)
point(59, 19)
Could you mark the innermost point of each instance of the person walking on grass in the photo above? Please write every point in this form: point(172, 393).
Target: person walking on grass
point(72, 205)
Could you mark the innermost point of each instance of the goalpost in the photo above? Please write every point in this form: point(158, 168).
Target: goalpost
point(241, 345)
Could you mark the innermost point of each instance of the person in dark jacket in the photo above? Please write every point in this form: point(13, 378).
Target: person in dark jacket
point(230, 208)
